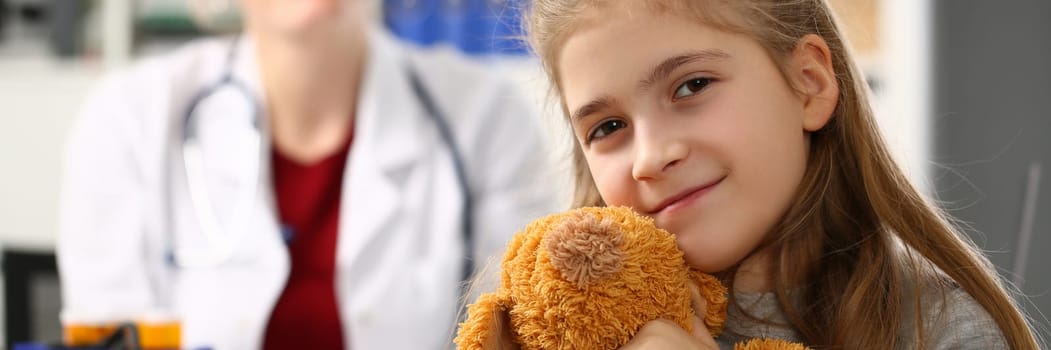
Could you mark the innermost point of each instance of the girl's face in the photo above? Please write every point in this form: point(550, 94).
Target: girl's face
point(690, 125)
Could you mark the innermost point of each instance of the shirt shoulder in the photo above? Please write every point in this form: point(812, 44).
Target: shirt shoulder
point(131, 108)
point(755, 315)
point(494, 118)
point(952, 319)
point(155, 79)
point(472, 87)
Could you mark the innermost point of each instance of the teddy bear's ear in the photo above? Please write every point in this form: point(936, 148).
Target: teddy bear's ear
point(585, 249)
point(487, 326)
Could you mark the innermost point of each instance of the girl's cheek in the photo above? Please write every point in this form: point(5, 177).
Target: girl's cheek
point(608, 173)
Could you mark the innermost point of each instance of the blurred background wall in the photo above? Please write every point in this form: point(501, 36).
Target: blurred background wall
point(961, 92)
point(991, 132)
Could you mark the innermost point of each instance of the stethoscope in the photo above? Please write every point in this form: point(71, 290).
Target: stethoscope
point(219, 245)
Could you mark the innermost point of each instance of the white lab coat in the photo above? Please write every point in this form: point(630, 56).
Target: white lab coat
point(399, 251)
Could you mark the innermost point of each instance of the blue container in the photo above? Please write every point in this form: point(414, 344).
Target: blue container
point(416, 21)
point(476, 27)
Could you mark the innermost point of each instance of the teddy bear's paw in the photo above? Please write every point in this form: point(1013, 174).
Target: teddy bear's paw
point(769, 344)
point(585, 249)
point(486, 326)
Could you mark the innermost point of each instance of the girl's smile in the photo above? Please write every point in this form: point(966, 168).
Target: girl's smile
point(672, 204)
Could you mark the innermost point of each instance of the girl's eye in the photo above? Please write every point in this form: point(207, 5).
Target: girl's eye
point(605, 129)
point(691, 87)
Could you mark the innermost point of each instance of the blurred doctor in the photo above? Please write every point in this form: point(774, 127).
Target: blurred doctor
point(311, 184)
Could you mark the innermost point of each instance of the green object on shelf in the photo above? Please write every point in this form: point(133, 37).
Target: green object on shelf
point(173, 23)
point(182, 22)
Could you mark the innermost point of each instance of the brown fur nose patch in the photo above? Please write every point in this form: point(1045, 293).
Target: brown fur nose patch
point(585, 249)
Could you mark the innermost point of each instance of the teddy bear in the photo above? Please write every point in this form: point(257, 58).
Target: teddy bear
point(589, 278)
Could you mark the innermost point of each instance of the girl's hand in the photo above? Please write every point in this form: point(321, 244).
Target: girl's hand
point(665, 334)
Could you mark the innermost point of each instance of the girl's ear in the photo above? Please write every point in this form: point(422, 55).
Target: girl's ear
point(814, 75)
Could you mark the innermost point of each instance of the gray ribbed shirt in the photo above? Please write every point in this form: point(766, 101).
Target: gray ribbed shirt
point(958, 322)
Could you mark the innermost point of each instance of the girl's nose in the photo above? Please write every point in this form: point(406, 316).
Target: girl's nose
point(657, 151)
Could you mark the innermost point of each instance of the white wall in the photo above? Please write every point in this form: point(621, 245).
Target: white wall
point(38, 99)
point(904, 106)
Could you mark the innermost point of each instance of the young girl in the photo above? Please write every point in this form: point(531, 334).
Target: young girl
point(743, 127)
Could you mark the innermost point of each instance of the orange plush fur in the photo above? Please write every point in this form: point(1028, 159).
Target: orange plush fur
point(589, 279)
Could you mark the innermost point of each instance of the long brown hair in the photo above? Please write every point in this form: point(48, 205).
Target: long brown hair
point(859, 233)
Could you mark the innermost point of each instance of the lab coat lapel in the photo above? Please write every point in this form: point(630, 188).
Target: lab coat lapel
point(388, 138)
point(246, 70)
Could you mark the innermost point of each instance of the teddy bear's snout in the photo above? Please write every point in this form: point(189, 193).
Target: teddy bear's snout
point(585, 249)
